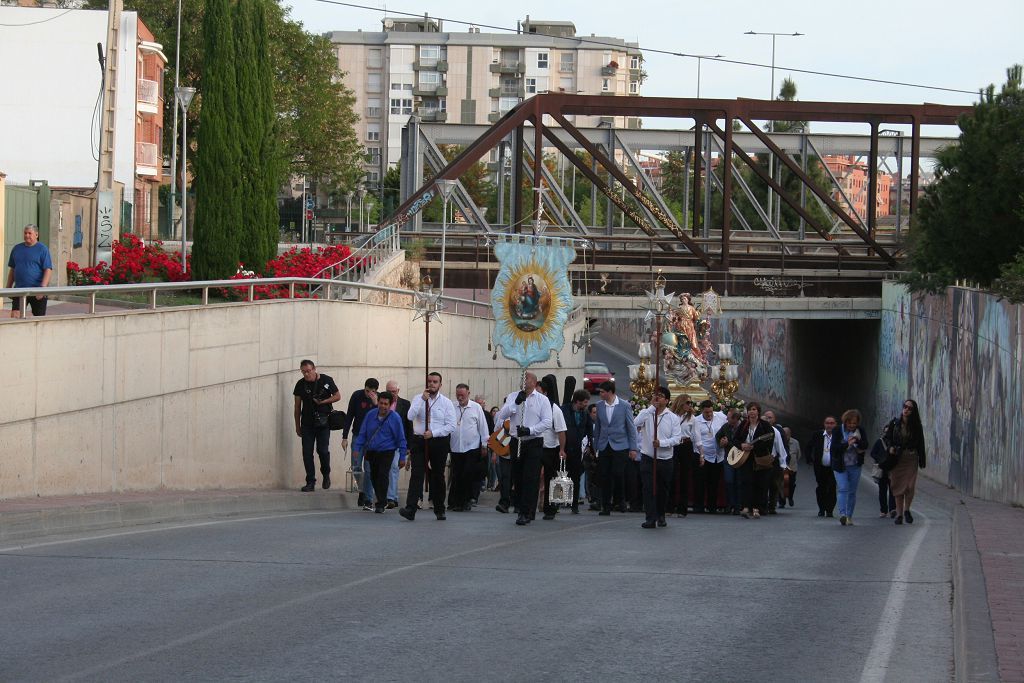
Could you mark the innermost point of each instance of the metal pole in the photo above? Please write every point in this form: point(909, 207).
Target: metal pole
point(184, 195)
point(174, 134)
point(444, 238)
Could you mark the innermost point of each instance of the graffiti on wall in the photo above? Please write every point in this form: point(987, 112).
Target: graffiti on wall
point(964, 352)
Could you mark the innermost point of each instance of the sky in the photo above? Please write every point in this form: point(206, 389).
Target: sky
point(913, 41)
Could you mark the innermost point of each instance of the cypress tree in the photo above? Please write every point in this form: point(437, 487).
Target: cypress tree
point(271, 160)
point(218, 212)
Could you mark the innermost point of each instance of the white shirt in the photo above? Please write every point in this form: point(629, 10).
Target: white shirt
point(704, 441)
point(669, 432)
point(442, 415)
point(686, 426)
point(794, 454)
point(609, 409)
point(826, 450)
point(470, 428)
point(534, 413)
point(557, 425)
point(779, 448)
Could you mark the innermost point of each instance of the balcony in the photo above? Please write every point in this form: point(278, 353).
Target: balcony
point(430, 91)
point(430, 65)
point(432, 116)
point(609, 70)
point(494, 117)
point(146, 159)
point(148, 97)
point(507, 92)
point(508, 68)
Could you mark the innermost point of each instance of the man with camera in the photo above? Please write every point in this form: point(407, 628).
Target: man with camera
point(529, 414)
point(314, 394)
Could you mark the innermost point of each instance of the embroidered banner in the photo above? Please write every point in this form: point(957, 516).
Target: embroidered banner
point(532, 297)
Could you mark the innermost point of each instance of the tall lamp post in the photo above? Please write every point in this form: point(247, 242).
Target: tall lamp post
point(360, 192)
point(658, 304)
point(183, 96)
point(428, 307)
point(771, 124)
point(445, 187)
point(699, 59)
point(348, 213)
point(174, 132)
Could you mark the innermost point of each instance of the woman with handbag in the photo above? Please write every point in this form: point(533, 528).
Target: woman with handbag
point(755, 437)
point(846, 468)
point(905, 438)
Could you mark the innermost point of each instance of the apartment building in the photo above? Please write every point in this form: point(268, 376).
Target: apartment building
point(852, 173)
point(413, 67)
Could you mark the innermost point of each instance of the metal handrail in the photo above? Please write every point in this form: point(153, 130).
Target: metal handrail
point(377, 248)
point(154, 288)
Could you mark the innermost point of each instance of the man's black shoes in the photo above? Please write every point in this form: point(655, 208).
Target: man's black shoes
point(326, 483)
point(502, 508)
point(308, 487)
point(407, 513)
point(522, 520)
point(648, 525)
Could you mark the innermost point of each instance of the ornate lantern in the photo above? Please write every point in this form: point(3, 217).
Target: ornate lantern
point(560, 491)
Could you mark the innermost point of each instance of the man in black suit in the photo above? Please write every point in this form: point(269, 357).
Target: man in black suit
point(400, 406)
point(578, 426)
point(824, 445)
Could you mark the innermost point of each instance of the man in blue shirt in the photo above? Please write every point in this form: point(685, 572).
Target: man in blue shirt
point(381, 433)
point(29, 266)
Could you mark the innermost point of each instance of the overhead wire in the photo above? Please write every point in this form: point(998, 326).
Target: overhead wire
point(670, 53)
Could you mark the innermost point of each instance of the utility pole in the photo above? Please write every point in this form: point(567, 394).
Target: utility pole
point(108, 215)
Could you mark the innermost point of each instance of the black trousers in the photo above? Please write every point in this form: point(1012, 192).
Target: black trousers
point(886, 501)
point(505, 481)
point(775, 487)
point(380, 473)
point(432, 453)
point(465, 471)
point(754, 486)
point(574, 466)
point(36, 303)
point(682, 473)
point(593, 480)
point(551, 462)
point(611, 469)
point(657, 486)
point(526, 466)
point(705, 492)
point(826, 489)
point(321, 439)
point(634, 486)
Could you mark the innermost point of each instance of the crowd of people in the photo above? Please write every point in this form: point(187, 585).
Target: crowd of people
point(672, 458)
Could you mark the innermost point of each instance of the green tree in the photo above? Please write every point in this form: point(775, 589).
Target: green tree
point(970, 221)
point(218, 215)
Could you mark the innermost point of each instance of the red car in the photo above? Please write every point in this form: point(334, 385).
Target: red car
point(594, 374)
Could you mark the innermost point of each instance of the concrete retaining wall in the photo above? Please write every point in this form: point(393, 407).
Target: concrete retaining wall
point(200, 398)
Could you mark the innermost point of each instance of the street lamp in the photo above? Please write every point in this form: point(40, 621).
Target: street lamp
point(699, 58)
point(369, 214)
point(361, 192)
point(428, 306)
point(183, 97)
point(445, 187)
point(174, 132)
point(774, 36)
point(348, 213)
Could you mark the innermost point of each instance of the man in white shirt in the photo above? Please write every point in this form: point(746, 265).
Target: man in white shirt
point(660, 431)
point(825, 443)
point(711, 456)
point(529, 413)
point(433, 421)
point(780, 451)
point(553, 455)
point(468, 449)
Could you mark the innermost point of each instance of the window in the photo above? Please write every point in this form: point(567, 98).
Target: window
point(567, 62)
point(634, 87)
point(401, 82)
point(373, 83)
point(401, 105)
point(373, 132)
point(373, 155)
point(429, 80)
point(506, 103)
point(373, 108)
point(428, 105)
point(374, 58)
point(605, 85)
point(542, 60)
point(442, 104)
point(531, 85)
point(565, 84)
point(634, 61)
point(429, 55)
point(372, 177)
point(510, 86)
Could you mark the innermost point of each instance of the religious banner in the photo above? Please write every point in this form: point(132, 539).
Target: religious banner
point(532, 297)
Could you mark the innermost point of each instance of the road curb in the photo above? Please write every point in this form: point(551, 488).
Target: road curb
point(974, 648)
point(20, 525)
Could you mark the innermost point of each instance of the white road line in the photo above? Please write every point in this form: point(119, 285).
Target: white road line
point(163, 527)
point(877, 662)
point(310, 597)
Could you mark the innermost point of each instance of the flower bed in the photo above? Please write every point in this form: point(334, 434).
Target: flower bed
point(132, 261)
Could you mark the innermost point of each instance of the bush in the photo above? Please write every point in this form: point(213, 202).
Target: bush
point(132, 261)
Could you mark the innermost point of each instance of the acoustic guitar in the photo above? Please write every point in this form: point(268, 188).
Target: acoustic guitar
point(499, 441)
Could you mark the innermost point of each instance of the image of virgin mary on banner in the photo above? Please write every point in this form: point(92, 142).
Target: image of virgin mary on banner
point(532, 297)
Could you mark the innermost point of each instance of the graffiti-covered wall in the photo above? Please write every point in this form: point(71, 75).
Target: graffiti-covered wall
point(959, 355)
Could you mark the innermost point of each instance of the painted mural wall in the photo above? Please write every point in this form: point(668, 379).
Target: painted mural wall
point(959, 355)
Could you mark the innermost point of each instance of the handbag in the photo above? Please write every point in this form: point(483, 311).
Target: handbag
point(321, 420)
point(336, 420)
point(763, 462)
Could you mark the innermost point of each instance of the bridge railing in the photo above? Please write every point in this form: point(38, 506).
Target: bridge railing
point(374, 250)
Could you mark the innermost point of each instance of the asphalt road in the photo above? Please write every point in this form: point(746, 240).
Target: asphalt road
point(354, 595)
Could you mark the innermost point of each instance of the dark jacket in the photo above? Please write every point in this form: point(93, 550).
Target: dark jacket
point(816, 446)
point(739, 438)
point(893, 437)
point(402, 408)
point(358, 405)
point(573, 434)
point(862, 448)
